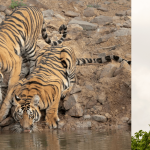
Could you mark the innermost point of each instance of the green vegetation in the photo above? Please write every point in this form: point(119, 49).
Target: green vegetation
point(141, 141)
point(15, 4)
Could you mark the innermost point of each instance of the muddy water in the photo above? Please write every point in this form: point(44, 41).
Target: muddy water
point(69, 140)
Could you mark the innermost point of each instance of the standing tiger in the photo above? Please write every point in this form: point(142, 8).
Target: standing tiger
point(18, 36)
point(52, 78)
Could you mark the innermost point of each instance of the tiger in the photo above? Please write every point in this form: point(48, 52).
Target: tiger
point(51, 80)
point(18, 35)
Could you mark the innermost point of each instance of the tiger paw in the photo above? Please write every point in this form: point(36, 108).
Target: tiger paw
point(52, 121)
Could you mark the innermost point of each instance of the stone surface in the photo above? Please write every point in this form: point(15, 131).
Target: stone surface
point(41, 44)
point(127, 24)
point(101, 40)
point(85, 124)
point(2, 8)
point(121, 13)
point(99, 118)
point(76, 111)
point(101, 20)
point(128, 12)
point(48, 13)
point(89, 12)
point(102, 97)
point(59, 16)
point(108, 115)
point(7, 11)
point(84, 24)
point(124, 66)
point(75, 89)
point(61, 124)
point(2, 16)
point(72, 100)
point(97, 109)
point(108, 71)
point(91, 103)
point(74, 27)
point(125, 119)
point(1, 20)
point(71, 14)
point(123, 32)
point(87, 117)
point(107, 3)
point(102, 9)
point(7, 121)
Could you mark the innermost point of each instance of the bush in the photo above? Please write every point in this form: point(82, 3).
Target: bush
point(141, 141)
point(15, 4)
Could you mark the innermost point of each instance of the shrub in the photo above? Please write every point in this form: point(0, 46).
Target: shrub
point(15, 4)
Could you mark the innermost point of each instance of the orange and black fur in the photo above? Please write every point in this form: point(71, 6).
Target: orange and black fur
point(52, 78)
point(18, 36)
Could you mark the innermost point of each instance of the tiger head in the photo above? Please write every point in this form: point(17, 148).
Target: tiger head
point(26, 113)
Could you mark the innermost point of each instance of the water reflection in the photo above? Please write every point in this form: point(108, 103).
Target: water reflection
point(61, 140)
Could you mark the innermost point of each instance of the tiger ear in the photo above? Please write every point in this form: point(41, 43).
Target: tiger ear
point(15, 100)
point(35, 100)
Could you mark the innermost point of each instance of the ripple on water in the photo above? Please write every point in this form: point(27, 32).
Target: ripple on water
point(67, 140)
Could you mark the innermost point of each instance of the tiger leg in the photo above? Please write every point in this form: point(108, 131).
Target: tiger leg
point(52, 111)
point(15, 73)
point(1, 81)
point(67, 91)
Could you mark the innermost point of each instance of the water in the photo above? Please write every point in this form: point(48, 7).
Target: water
point(67, 140)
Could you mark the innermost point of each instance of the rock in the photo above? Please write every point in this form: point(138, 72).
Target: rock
point(48, 13)
point(7, 121)
point(87, 117)
point(59, 16)
point(102, 97)
point(97, 108)
point(122, 32)
point(108, 71)
point(127, 24)
point(84, 24)
point(129, 122)
point(2, 16)
point(125, 119)
point(91, 103)
point(129, 12)
point(41, 44)
point(61, 124)
point(107, 3)
point(2, 8)
point(128, 56)
point(101, 20)
point(108, 115)
point(101, 40)
point(76, 111)
point(85, 124)
point(1, 20)
point(78, 18)
point(102, 9)
point(121, 13)
point(124, 66)
point(89, 12)
point(72, 100)
point(99, 118)
point(89, 86)
point(74, 27)
point(75, 89)
point(71, 14)
point(7, 12)
point(80, 3)
point(121, 2)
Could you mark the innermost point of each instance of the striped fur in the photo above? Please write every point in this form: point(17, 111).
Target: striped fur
point(18, 36)
point(52, 78)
